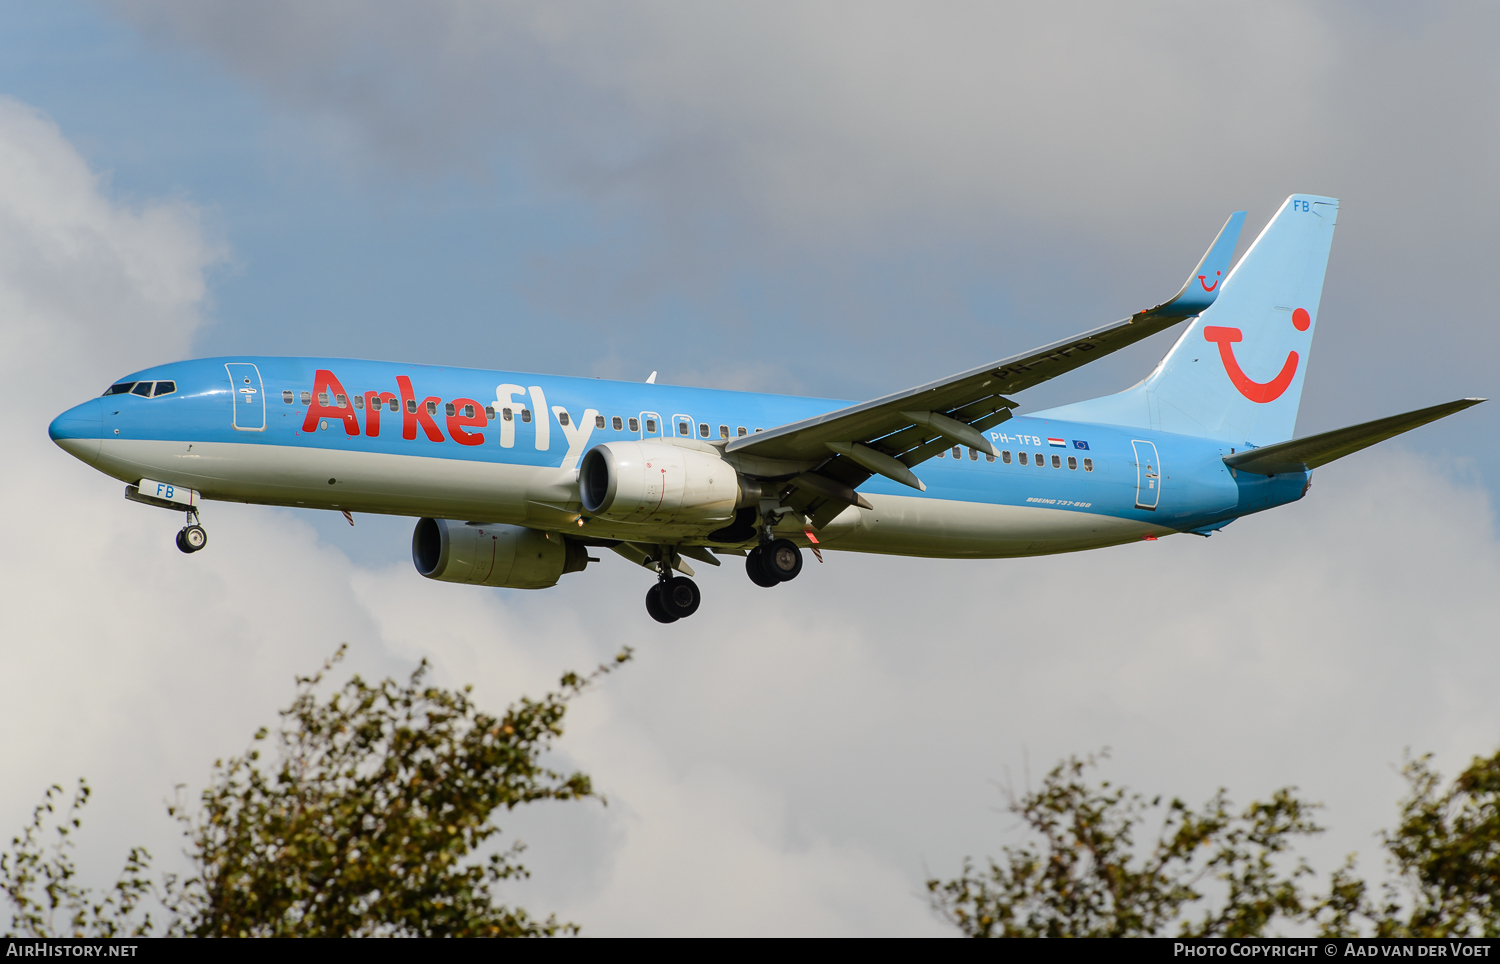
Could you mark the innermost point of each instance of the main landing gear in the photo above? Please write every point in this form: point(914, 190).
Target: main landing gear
point(192, 536)
point(673, 598)
point(773, 563)
point(677, 597)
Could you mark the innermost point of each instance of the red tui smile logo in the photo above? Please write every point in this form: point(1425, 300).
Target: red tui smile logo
point(1203, 280)
point(1261, 392)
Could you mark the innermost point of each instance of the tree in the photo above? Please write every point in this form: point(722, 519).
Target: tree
point(369, 819)
point(1084, 878)
point(1215, 872)
point(1445, 853)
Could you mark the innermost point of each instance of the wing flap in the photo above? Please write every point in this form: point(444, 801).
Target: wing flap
point(1302, 454)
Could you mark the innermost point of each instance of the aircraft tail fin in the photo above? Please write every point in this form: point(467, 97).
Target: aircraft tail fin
point(1308, 453)
point(1236, 373)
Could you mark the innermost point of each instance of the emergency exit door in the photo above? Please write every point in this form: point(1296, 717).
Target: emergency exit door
point(1147, 474)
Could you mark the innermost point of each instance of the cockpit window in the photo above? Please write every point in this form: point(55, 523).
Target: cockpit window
point(120, 388)
point(164, 388)
point(142, 389)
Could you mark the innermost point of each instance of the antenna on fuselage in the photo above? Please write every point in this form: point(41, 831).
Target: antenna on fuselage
point(651, 380)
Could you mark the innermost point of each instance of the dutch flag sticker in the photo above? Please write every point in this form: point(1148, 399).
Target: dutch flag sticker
point(1059, 443)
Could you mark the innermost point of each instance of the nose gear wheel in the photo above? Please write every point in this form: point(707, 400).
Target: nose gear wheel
point(192, 538)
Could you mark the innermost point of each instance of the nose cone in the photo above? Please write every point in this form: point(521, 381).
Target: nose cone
point(79, 429)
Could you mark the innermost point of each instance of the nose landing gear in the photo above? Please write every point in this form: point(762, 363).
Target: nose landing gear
point(192, 536)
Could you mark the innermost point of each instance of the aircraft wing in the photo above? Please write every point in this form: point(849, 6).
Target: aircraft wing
point(890, 435)
point(1308, 453)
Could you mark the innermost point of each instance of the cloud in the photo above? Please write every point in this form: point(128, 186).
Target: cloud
point(788, 761)
point(841, 113)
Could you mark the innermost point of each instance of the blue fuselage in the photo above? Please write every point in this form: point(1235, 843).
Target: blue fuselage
point(503, 446)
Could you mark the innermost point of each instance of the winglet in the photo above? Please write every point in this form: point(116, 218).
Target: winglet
point(1203, 284)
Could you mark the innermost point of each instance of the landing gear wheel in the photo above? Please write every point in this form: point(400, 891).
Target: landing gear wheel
point(680, 597)
point(654, 605)
point(192, 538)
point(755, 568)
point(782, 559)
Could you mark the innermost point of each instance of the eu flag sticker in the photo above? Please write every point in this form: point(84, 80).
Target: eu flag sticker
point(1077, 444)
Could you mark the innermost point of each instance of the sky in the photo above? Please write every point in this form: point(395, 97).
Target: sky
point(836, 199)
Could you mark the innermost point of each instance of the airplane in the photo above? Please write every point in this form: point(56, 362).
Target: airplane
point(515, 478)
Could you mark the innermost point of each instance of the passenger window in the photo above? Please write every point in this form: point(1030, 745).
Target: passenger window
point(489, 412)
point(740, 431)
point(684, 429)
point(1057, 461)
point(1023, 458)
point(323, 399)
point(943, 454)
point(164, 388)
point(599, 421)
point(1005, 456)
point(507, 414)
point(411, 406)
point(306, 398)
point(1072, 464)
point(359, 401)
point(525, 414)
point(758, 431)
point(120, 389)
point(973, 455)
point(432, 408)
point(288, 397)
point(562, 418)
point(343, 400)
point(616, 424)
point(988, 457)
point(723, 431)
point(1088, 465)
point(393, 405)
point(142, 389)
point(958, 452)
point(1041, 460)
point(650, 426)
point(449, 409)
point(468, 411)
point(703, 429)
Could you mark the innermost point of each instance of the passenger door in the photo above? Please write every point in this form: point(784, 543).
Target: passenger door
point(249, 397)
point(1147, 474)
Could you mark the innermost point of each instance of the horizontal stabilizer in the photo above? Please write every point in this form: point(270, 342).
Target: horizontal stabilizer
point(1308, 453)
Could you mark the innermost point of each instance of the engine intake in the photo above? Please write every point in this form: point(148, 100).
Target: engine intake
point(513, 557)
point(655, 482)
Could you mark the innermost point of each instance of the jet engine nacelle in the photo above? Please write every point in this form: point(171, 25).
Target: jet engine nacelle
point(493, 555)
point(660, 483)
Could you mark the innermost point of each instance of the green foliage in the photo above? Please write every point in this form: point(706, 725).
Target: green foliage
point(1083, 875)
point(30, 864)
point(1446, 856)
point(368, 819)
point(1084, 878)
